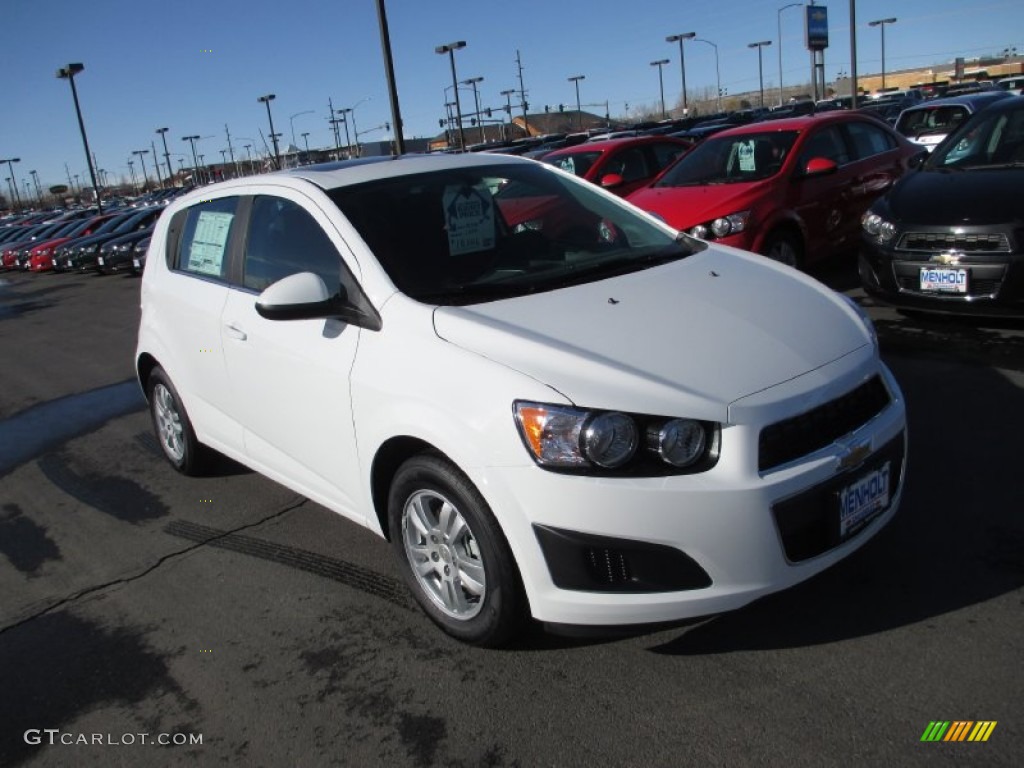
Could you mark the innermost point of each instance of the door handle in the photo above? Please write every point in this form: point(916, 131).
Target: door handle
point(234, 332)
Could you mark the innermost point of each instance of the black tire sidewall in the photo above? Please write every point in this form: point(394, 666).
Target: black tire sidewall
point(785, 237)
point(501, 612)
point(190, 462)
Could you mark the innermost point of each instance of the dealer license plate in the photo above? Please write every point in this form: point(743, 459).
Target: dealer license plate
point(862, 500)
point(69, 263)
point(135, 263)
point(100, 261)
point(944, 280)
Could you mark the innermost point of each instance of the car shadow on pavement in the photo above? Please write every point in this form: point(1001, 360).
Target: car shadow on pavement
point(957, 540)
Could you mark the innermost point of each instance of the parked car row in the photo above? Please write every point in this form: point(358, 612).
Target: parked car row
point(101, 243)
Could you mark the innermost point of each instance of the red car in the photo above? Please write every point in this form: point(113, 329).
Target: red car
point(40, 258)
point(793, 190)
point(619, 165)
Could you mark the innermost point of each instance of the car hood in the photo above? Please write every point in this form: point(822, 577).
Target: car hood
point(687, 338)
point(684, 207)
point(968, 197)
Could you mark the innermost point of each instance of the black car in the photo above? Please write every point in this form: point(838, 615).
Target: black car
point(949, 237)
point(83, 257)
point(116, 255)
point(139, 256)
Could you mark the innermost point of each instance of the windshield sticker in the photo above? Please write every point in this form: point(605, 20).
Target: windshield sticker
point(745, 152)
point(469, 212)
point(567, 164)
point(206, 254)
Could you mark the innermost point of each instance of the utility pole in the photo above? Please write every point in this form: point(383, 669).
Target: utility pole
point(522, 93)
point(231, 150)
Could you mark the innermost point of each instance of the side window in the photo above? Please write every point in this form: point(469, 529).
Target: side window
point(827, 143)
point(202, 247)
point(285, 239)
point(869, 140)
point(632, 164)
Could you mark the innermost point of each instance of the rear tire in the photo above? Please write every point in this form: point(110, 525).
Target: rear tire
point(174, 432)
point(453, 554)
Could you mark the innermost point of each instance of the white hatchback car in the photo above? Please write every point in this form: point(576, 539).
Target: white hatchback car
point(552, 404)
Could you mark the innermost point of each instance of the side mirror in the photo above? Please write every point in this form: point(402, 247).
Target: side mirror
point(918, 160)
point(304, 296)
point(611, 180)
point(820, 166)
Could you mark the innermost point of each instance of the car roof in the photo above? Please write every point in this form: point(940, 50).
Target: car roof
point(347, 172)
point(795, 123)
point(606, 144)
point(970, 100)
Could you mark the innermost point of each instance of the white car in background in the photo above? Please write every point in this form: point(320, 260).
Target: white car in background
point(552, 404)
point(929, 123)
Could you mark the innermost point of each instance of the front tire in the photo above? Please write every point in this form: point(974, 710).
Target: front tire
point(453, 554)
point(174, 431)
point(785, 248)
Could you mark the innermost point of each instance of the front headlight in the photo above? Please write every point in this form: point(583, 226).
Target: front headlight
point(564, 438)
point(723, 226)
point(878, 228)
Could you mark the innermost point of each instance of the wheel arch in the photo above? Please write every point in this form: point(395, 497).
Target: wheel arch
point(389, 457)
point(143, 369)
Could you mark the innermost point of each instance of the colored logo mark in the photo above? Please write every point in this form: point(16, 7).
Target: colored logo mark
point(958, 730)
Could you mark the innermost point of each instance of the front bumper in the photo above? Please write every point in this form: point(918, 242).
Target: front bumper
point(995, 281)
point(734, 533)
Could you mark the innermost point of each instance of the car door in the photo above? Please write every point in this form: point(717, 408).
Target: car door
point(876, 165)
point(191, 301)
point(290, 378)
point(820, 200)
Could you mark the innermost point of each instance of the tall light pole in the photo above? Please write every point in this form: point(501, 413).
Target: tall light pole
point(195, 160)
point(277, 153)
point(473, 81)
point(39, 191)
point(68, 73)
point(718, 76)
point(508, 94)
point(398, 137)
point(760, 69)
point(450, 49)
point(575, 80)
point(167, 154)
point(10, 164)
point(881, 23)
point(305, 138)
point(291, 120)
point(131, 170)
point(682, 62)
point(660, 63)
point(790, 5)
point(156, 166)
point(142, 159)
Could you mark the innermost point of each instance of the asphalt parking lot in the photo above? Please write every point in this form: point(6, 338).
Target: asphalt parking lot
point(139, 603)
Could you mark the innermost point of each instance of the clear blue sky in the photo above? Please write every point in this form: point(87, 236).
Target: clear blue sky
point(194, 66)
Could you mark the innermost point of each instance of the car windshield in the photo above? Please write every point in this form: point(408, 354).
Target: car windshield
point(930, 120)
point(991, 139)
point(731, 160)
point(476, 234)
point(577, 163)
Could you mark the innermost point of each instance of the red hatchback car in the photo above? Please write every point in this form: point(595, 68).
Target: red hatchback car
point(619, 165)
point(793, 190)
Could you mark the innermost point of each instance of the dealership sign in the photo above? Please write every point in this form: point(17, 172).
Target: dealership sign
point(817, 27)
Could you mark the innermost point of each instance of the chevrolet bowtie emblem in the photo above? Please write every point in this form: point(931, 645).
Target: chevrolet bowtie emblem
point(946, 258)
point(854, 455)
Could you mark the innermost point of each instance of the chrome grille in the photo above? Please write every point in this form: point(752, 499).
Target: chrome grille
point(940, 242)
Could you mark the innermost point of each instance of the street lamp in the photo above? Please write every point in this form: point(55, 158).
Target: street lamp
point(660, 63)
point(575, 79)
point(68, 73)
point(167, 155)
point(476, 101)
point(682, 62)
point(450, 49)
point(266, 100)
point(305, 138)
point(39, 191)
point(718, 76)
point(10, 164)
point(131, 170)
point(145, 176)
point(760, 69)
point(195, 160)
point(508, 110)
point(791, 5)
point(881, 23)
point(291, 120)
